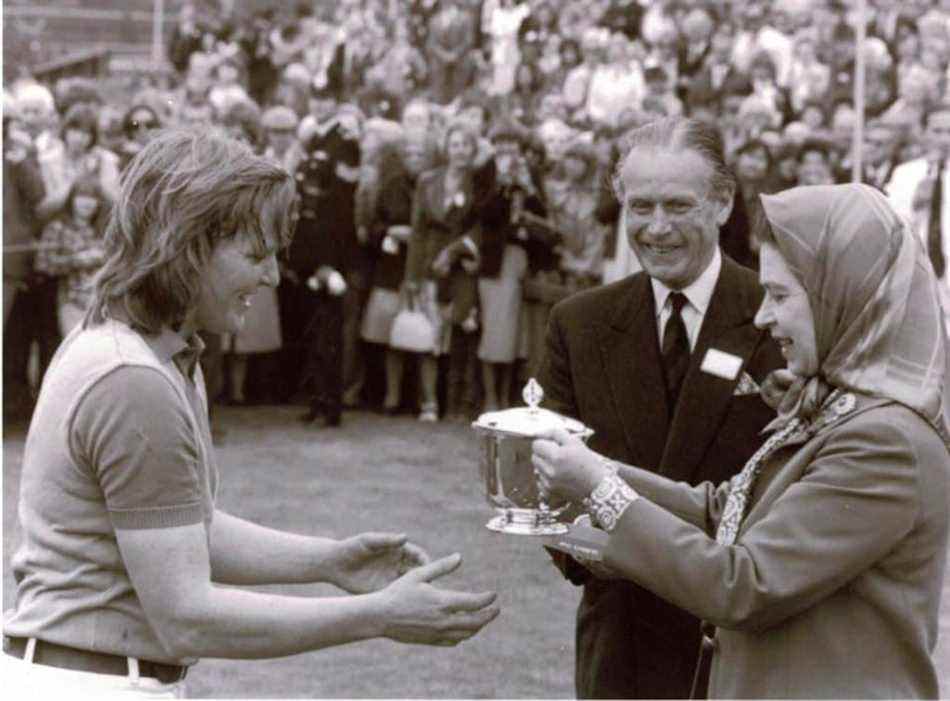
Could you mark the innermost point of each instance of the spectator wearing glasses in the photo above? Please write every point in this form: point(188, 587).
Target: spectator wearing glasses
point(139, 124)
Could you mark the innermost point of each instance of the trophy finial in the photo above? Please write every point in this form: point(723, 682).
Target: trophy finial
point(532, 394)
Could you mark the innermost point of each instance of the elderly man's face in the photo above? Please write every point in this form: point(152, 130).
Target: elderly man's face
point(672, 216)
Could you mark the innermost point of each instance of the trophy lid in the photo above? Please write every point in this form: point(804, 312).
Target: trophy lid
point(529, 421)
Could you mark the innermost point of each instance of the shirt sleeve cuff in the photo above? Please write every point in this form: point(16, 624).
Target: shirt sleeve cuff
point(159, 517)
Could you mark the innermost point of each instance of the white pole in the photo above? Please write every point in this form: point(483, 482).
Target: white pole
point(158, 17)
point(857, 146)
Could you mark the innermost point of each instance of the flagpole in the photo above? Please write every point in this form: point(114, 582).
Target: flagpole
point(857, 146)
point(158, 17)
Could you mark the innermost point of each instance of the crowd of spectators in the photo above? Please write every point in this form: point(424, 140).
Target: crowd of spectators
point(453, 160)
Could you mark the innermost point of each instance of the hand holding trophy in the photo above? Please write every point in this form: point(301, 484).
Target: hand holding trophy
point(511, 485)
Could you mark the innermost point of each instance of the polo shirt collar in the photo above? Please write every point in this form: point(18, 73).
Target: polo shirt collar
point(699, 292)
point(169, 345)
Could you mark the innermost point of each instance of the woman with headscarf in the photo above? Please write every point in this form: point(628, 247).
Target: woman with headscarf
point(820, 564)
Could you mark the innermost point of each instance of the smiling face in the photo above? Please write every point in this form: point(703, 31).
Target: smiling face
point(786, 313)
point(672, 216)
point(238, 266)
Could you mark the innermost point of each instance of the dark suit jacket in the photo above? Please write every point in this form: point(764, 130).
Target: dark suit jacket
point(602, 365)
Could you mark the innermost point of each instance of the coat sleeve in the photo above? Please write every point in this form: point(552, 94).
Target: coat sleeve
point(554, 373)
point(418, 258)
point(854, 502)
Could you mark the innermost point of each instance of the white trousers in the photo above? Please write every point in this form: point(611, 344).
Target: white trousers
point(26, 680)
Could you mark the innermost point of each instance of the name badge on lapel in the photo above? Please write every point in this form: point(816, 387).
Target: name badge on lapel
point(721, 364)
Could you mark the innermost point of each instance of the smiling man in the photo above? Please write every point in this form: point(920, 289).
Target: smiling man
point(123, 551)
point(664, 366)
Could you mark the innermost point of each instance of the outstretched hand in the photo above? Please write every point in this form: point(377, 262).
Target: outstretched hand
point(369, 562)
point(417, 612)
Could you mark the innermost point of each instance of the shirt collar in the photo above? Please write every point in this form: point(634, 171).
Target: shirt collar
point(169, 345)
point(699, 292)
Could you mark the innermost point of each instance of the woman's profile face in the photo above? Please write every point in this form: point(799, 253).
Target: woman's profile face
point(786, 313)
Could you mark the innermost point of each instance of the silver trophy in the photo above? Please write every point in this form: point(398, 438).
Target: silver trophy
point(511, 486)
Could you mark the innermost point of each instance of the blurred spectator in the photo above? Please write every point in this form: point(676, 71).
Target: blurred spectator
point(503, 24)
point(260, 337)
point(615, 84)
point(918, 189)
point(451, 36)
point(577, 80)
point(505, 246)
point(138, 125)
point(756, 35)
point(22, 193)
point(815, 163)
point(71, 250)
point(809, 78)
point(227, 86)
point(440, 268)
point(881, 141)
point(696, 46)
point(80, 157)
point(400, 165)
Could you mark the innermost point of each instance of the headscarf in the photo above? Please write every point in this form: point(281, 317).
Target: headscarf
point(878, 322)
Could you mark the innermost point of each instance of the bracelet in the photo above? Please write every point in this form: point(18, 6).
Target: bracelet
point(609, 499)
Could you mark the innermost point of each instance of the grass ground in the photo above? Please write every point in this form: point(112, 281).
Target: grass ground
point(381, 473)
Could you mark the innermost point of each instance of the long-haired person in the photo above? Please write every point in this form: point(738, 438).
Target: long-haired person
point(71, 250)
point(123, 552)
point(440, 267)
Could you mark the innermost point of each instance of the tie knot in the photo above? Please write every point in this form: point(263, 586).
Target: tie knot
point(678, 300)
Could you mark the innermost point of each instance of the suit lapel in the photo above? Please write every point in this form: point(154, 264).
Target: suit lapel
point(634, 375)
point(704, 398)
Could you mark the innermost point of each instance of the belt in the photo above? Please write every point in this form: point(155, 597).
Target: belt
point(54, 655)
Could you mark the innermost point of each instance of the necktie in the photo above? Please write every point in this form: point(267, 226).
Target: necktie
point(935, 226)
point(675, 349)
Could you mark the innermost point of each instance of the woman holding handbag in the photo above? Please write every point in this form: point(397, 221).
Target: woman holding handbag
point(441, 265)
point(400, 166)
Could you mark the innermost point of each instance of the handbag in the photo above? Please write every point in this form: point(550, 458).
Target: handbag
point(412, 329)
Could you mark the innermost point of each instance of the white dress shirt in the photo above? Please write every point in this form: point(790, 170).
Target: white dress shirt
point(697, 294)
point(900, 190)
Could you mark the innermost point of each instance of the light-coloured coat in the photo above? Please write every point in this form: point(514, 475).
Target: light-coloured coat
point(832, 589)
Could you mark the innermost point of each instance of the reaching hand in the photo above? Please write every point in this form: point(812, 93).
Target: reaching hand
point(565, 466)
point(417, 612)
point(369, 562)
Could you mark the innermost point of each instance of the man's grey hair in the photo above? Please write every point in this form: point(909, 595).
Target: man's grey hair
point(680, 133)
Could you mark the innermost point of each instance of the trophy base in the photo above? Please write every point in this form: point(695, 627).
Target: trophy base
point(526, 523)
